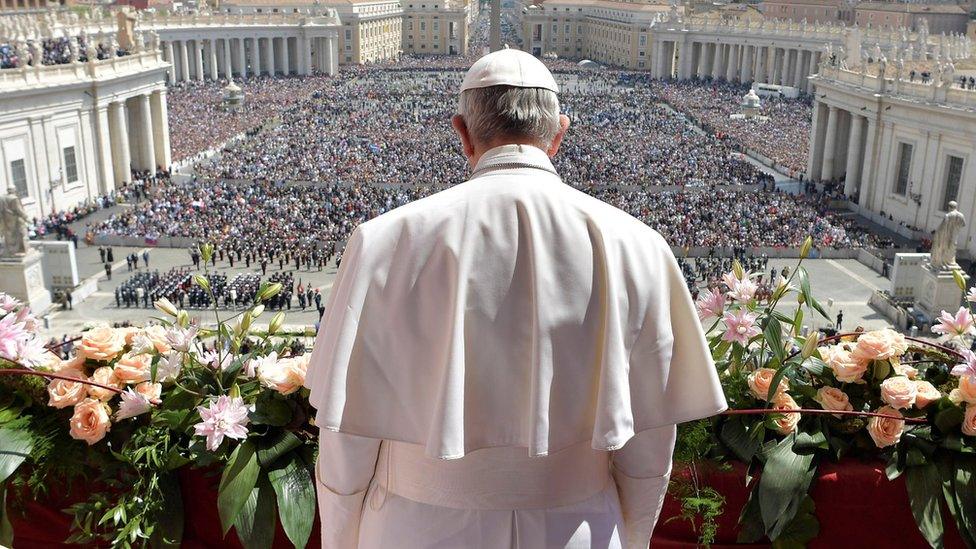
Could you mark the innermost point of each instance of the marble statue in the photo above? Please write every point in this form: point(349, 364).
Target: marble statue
point(948, 74)
point(944, 239)
point(14, 221)
point(882, 66)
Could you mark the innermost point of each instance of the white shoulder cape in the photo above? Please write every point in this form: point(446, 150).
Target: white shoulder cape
point(511, 310)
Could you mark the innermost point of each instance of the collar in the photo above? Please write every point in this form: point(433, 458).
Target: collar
point(514, 156)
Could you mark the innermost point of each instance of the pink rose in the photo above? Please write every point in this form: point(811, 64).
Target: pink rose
point(902, 370)
point(63, 393)
point(841, 361)
point(91, 420)
point(785, 423)
point(886, 431)
point(881, 344)
point(899, 392)
point(926, 393)
point(285, 376)
point(104, 376)
point(832, 398)
point(966, 391)
point(152, 391)
point(102, 344)
point(760, 380)
point(76, 362)
point(969, 421)
point(134, 368)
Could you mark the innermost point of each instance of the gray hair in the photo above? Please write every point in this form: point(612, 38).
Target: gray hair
point(505, 111)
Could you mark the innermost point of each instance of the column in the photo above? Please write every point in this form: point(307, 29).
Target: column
point(106, 170)
point(271, 56)
point(241, 58)
point(147, 147)
point(830, 140)
point(304, 56)
point(285, 64)
point(761, 57)
point(867, 169)
point(256, 56)
point(732, 63)
point(331, 53)
point(798, 70)
point(160, 128)
point(495, 31)
point(121, 159)
point(213, 59)
point(717, 56)
point(198, 58)
point(745, 66)
point(852, 179)
point(815, 156)
point(184, 62)
point(171, 73)
point(228, 65)
point(702, 60)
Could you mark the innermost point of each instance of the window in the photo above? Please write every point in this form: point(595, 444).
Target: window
point(643, 40)
point(437, 25)
point(423, 25)
point(70, 165)
point(904, 167)
point(348, 34)
point(953, 177)
point(18, 173)
point(555, 28)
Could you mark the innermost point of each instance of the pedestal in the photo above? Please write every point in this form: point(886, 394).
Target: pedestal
point(939, 292)
point(23, 278)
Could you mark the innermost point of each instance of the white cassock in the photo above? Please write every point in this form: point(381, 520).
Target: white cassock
point(502, 364)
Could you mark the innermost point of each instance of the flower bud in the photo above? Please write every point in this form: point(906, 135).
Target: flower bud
point(737, 269)
point(257, 310)
point(276, 322)
point(183, 319)
point(960, 280)
point(206, 252)
point(202, 282)
point(166, 306)
point(805, 249)
point(268, 291)
point(810, 345)
point(245, 324)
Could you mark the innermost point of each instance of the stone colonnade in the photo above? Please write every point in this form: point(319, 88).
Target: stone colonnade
point(249, 55)
point(132, 133)
point(735, 61)
point(842, 143)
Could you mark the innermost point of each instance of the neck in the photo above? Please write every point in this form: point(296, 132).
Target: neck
point(480, 149)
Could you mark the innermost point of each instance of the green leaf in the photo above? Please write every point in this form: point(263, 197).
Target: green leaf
point(6, 529)
point(750, 521)
point(773, 331)
point(924, 492)
point(964, 485)
point(816, 366)
point(735, 435)
point(786, 477)
point(240, 476)
point(949, 419)
point(798, 321)
point(808, 443)
point(169, 530)
point(801, 530)
point(271, 410)
point(293, 485)
point(256, 522)
point(276, 446)
point(15, 446)
point(718, 351)
point(777, 378)
point(801, 273)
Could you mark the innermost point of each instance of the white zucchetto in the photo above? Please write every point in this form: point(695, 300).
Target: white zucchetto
point(508, 67)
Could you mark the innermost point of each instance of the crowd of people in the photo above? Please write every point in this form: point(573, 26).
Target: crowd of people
point(53, 51)
point(782, 134)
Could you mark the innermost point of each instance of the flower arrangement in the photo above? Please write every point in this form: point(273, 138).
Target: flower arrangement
point(797, 399)
point(134, 405)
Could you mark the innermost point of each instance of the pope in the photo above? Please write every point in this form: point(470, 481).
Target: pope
point(503, 364)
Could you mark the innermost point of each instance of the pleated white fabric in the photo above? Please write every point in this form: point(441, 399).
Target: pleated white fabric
point(510, 310)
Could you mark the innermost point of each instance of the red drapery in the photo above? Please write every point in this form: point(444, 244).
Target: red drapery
point(856, 506)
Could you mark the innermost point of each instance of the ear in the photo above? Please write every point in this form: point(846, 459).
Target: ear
point(462, 130)
point(556, 141)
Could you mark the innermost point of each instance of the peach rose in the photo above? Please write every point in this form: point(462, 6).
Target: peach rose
point(759, 383)
point(902, 370)
point(969, 421)
point(886, 431)
point(102, 344)
point(63, 393)
point(105, 376)
point(881, 344)
point(133, 368)
point(899, 392)
point(285, 376)
point(926, 393)
point(965, 393)
point(841, 361)
point(91, 420)
point(157, 334)
point(152, 391)
point(128, 333)
point(49, 362)
point(76, 362)
point(785, 423)
point(832, 398)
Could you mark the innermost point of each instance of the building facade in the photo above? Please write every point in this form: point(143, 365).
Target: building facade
point(810, 11)
point(904, 149)
point(75, 131)
point(941, 18)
